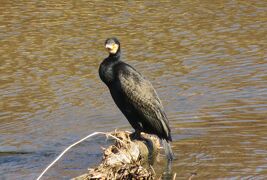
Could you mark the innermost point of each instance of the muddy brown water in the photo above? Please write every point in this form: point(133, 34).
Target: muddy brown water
point(207, 60)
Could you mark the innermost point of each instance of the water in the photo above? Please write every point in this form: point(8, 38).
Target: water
point(207, 60)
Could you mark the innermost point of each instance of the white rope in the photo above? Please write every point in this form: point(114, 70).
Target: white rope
point(68, 148)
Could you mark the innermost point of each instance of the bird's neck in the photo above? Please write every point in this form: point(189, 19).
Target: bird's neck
point(106, 70)
point(116, 56)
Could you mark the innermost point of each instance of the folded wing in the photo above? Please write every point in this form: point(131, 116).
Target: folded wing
point(140, 93)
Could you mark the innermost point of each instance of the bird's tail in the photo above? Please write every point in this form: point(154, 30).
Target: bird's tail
point(168, 149)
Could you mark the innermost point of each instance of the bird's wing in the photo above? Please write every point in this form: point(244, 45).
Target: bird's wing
point(143, 97)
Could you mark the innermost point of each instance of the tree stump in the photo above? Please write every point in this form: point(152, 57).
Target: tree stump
point(128, 158)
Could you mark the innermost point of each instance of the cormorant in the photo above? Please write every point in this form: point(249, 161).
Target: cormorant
point(135, 96)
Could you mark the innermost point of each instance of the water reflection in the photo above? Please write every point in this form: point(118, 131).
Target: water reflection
point(207, 61)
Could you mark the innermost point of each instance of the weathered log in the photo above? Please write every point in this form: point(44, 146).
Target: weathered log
point(127, 159)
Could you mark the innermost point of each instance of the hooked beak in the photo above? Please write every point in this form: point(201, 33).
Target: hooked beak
point(112, 48)
point(109, 46)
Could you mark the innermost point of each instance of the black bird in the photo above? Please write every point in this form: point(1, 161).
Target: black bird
point(135, 96)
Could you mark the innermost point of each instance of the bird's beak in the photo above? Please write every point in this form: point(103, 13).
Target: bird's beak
point(112, 48)
point(109, 46)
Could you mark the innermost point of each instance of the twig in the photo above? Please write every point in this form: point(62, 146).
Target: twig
point(174, 177)
point(68, 148)
point(109, 134)
point(152, 169)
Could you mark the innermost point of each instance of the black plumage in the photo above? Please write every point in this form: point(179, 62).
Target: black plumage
point(135, 96)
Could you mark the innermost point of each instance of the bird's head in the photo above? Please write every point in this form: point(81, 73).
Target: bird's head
point(112, 45)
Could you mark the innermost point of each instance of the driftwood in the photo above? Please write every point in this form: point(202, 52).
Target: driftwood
point(126, 159)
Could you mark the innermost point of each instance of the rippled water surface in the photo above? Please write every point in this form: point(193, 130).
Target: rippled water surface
point(207, 60)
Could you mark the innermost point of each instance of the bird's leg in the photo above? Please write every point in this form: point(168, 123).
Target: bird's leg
point(136, 135)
